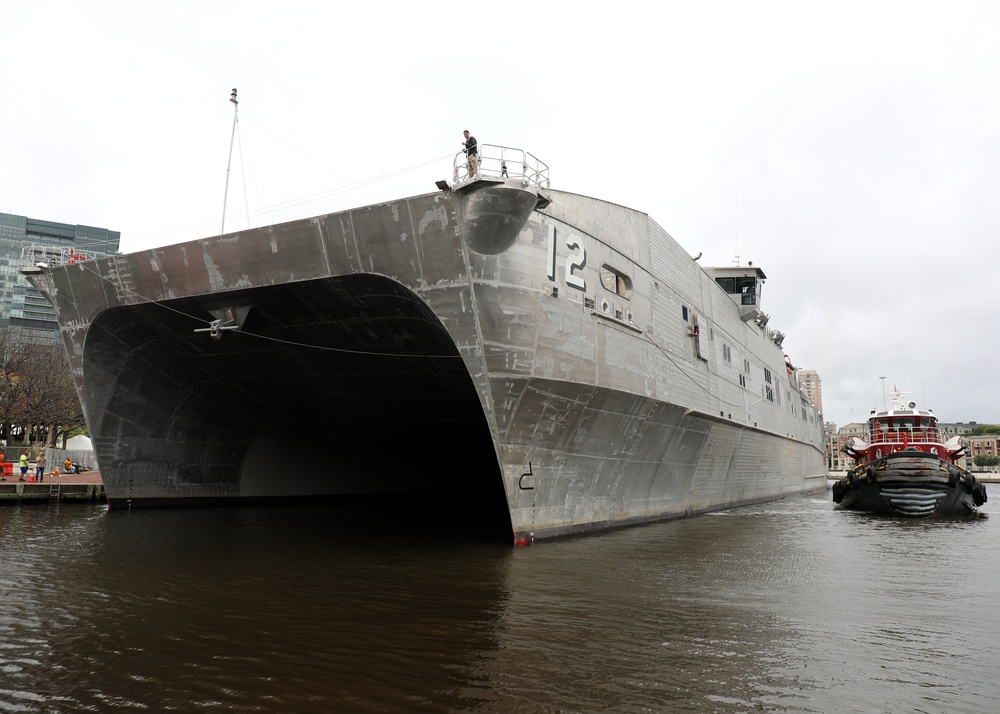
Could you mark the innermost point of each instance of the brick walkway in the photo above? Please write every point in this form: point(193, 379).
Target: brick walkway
point(86, 477)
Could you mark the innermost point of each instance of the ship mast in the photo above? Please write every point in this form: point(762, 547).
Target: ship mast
point(236, 106)
point(736, 229)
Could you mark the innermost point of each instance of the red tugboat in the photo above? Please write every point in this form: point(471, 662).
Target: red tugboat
point(907, 467)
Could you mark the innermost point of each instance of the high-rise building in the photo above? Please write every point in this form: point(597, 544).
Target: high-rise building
point(809, 379)
point(27, 241)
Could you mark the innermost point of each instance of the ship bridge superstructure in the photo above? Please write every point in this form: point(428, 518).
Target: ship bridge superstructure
point(744, 285)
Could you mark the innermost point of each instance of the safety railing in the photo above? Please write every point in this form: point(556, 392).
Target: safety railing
point(930, 435)
point(502, 162)
point(49, 256)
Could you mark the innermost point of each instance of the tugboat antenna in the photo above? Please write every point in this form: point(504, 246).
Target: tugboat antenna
point(236, 106)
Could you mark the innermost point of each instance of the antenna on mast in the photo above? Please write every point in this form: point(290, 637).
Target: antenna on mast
point(736, 228)
point(236, 106)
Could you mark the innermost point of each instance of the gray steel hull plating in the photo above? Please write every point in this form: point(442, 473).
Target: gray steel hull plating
point(387, 349)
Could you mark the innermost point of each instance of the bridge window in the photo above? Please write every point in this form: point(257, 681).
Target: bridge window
point(745, 286)
point(616, 282)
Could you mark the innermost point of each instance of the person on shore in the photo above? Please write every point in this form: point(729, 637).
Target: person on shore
point(40, 466)
point(471, 153)
point(68, 465)
point(23, 463)
point(3, 466)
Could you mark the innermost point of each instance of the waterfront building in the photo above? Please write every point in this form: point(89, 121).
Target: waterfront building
point(836, 438)
point(836, 459)
point(21, 306)
point(855, 428)
point(809, 379)
point(982, 445)
point(956, 429)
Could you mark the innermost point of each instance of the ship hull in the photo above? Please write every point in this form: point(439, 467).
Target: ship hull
point(461, 346)
point(910, 483)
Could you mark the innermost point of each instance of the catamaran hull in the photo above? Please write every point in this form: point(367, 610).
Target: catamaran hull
point(465, 346)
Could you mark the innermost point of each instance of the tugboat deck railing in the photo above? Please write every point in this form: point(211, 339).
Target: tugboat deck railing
point(931, 435)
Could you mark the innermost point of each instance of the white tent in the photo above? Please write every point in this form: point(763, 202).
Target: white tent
point(79, 443)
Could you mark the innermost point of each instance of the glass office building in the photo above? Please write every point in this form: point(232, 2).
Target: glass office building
point(28, 240)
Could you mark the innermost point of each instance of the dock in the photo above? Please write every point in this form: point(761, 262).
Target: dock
point(65, 488)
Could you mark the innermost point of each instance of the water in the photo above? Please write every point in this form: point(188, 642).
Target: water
point(785, 607)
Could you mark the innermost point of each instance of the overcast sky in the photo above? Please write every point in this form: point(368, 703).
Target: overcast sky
point(850, 150)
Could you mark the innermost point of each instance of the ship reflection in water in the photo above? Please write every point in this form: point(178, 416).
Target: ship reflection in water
point(790, 606)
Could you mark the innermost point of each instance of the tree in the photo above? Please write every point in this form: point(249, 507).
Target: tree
point(50, 407)
point(986, 429)
point(986, 461)
point(38, 401)
point(14, 360)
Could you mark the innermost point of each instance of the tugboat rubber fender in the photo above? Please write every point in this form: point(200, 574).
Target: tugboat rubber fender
point(979, 494)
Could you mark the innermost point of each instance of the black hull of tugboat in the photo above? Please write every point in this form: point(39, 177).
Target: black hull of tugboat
point(910, 483)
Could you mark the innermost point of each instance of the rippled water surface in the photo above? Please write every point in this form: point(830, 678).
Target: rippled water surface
point(791, 607)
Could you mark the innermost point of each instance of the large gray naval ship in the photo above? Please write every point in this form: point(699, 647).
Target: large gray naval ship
point(495, 351)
